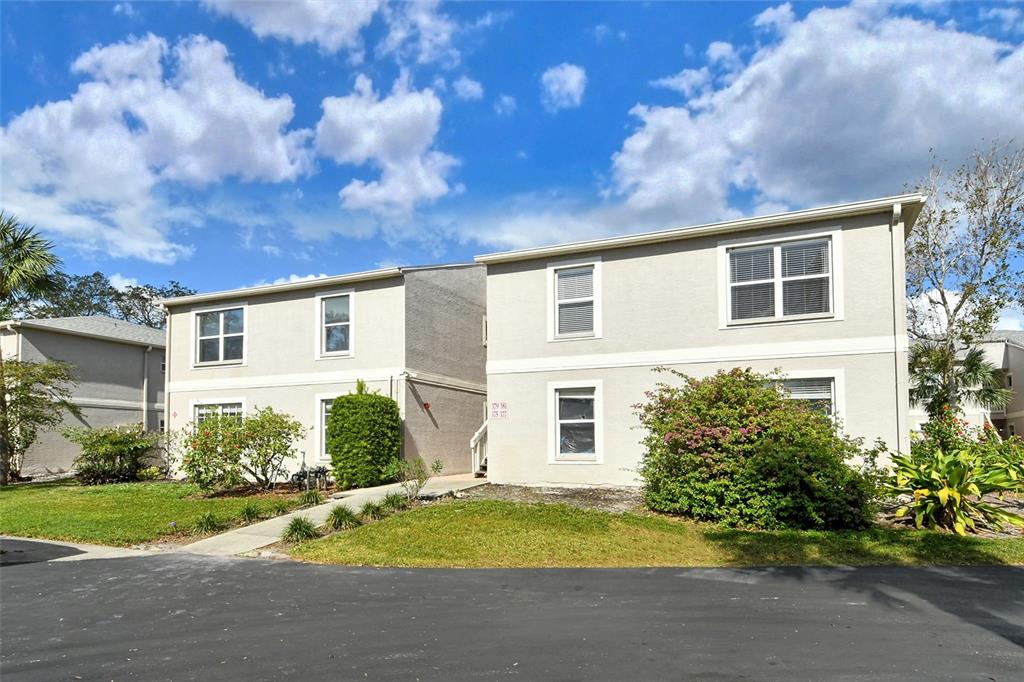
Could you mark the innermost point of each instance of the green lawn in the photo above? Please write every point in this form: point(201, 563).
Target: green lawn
point(491, 533)
point(121, 514)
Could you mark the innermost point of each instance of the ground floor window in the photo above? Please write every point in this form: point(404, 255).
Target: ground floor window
point(325, 414)
point(202, 412)
point(576, 424)
point(819, 393)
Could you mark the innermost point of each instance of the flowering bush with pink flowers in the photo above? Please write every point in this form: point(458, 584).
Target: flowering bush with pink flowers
point(731, 448)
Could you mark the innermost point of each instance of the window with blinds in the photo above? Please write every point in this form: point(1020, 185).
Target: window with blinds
point(819, 393)
point(780, 280)
point(574, 301)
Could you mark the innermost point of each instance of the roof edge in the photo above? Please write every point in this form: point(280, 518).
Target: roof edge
point(366, 276)
point(11, 324)
point(908, 201)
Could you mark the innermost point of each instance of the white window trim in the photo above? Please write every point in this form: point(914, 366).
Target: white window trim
point(598, 386)
point(199, 402)
point(838, 377)
point(319, 446)
point(552, 309)
point(318, 315)
point(835, 235)
point(194, 336)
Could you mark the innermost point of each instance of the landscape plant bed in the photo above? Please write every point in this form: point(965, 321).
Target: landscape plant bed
point(502, 534)
point(124, 514)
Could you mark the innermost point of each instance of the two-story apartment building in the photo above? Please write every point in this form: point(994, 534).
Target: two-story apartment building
point(414, 334)
point(575, 330)
point(118, 367)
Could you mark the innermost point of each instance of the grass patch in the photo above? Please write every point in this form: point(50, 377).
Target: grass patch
point(491, 533)
point(119, 514)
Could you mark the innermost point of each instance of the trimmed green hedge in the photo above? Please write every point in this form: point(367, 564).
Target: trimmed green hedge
point(364, 439)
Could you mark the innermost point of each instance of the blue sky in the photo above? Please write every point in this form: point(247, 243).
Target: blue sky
point(227, 143)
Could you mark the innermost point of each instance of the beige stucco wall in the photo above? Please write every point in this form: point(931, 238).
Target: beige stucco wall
point(662, 304)
point(519, 446)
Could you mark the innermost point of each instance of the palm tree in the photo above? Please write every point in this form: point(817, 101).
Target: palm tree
point(940, 377)
point(28, 268)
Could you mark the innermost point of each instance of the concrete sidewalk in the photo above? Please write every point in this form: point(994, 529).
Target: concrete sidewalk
point(15, 550)
point(264, 533)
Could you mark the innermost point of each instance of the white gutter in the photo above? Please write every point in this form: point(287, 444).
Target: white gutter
point(908, 201)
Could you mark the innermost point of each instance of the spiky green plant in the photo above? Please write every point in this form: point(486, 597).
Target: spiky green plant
point(374, 511)
point(299, 529)
point(278, 507)
point(395, 502)
point(342, 518)
point(942, 379)
point(207, 523)
point(250, 512)
point(311, 498)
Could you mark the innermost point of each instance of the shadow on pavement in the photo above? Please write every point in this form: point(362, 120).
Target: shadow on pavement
point(31, 551)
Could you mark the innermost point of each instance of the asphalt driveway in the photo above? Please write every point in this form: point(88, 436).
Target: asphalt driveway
point(182, 617)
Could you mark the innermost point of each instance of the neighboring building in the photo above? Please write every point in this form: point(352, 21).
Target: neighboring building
point(574, 331)
point(1005, 349)
point(119, 369)
point(414, 334)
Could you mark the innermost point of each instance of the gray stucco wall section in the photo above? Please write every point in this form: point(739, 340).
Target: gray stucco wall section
point(109, 390)
point(442, 431)
point(444, 310)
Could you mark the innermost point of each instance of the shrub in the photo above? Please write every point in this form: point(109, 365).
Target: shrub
point(364, 438)
point(951, 434)
point(311, 498)
point(115, 454)
point(342, 518)
point(225, 451)
point(278, 507)
point(374, 511)
point(413, 474)
point(152, 474)
point(731, 448)
point(395, 502)
point(945, 491)
point(250, 512)
point(299, 529)
point(207, 523)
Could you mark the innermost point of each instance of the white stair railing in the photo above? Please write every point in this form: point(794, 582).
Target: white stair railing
point(478, 446)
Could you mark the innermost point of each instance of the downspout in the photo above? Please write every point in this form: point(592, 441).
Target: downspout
point(897, 231)
point(167, 367)
point(145, 388)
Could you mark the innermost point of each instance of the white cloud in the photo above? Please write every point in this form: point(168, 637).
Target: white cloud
point(126, 9)
point(776, 18)
point(94, 168)
point(298, 278)
point(562, 87)
point(271, 250)
point(418, 31)
point(1010, 19)
point(602, 32)
point(394, 134)
point(467, 88)
point(845, 104)
point(333, 26)
point(1011, 320)
point(505, 105)
point(120, 282)
point(688, 81)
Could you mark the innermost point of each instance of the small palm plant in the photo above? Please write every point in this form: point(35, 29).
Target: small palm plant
point(342, 518)
point(942, 380)
point(947, 491)
point(299, 529)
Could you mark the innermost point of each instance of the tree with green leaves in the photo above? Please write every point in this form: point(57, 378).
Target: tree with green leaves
point(33, 395)
point(965, 266)
point(944, 378)
point(136, 303)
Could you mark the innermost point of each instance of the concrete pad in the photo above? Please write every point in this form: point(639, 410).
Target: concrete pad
point(259, 535)
point(23, 551)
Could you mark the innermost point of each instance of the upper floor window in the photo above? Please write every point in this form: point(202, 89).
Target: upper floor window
point(204, 411)
point(788, 280)
point(220, 335)
point(336, 327)
point(575, 303)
